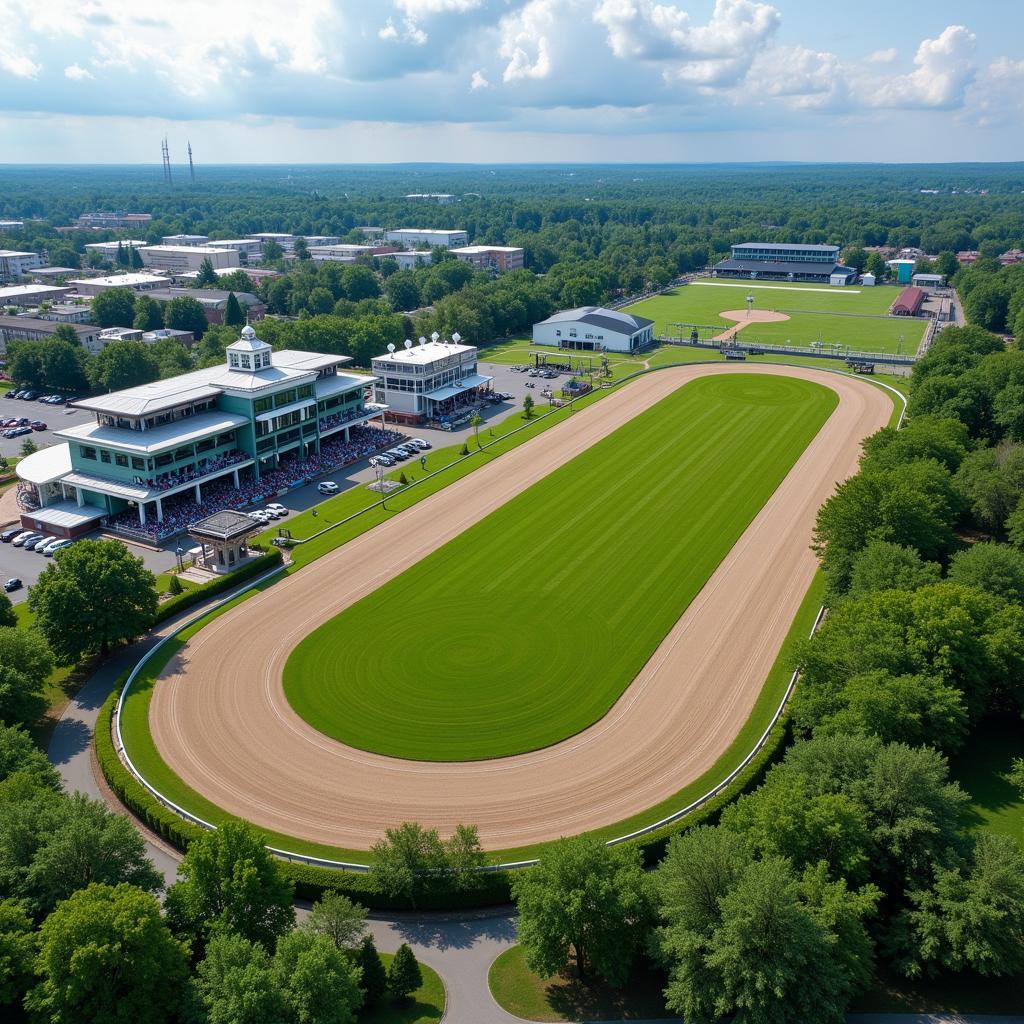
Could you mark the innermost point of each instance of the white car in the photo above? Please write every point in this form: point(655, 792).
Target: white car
point(27, 539)
point(382, 460)
point(39, 545)
point(58, 545)
point(277, 509)
point(420, 443)
point(327, 487)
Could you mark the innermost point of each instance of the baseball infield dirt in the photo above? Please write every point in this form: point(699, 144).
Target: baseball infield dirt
point(746, 317)
point(220, 719)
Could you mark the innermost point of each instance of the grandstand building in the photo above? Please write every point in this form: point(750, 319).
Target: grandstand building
point(233, 433)
point(772, 261)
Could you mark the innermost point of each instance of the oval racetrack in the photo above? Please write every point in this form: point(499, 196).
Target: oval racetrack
point(220, 719)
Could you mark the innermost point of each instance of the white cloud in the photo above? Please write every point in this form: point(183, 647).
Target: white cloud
point(478, 81)
point(421, 8)
point(525, 40)
point(889, 56)
point(76, 72)
point(944, 68)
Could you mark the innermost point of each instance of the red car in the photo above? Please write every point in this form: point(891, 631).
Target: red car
point(37, 425)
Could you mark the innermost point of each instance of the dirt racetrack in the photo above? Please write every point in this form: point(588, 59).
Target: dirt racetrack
point(220, 719)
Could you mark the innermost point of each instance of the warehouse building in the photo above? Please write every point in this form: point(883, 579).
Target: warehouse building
point(786, 261)
point(15, 264)
point(32, 294)
point(31, 328)
point(428, 381)
point(158, 456)
point(136, 282)
point(184, 239)
point(595, 329)
point(187, 257)
point(108, 250)
point(249, 249)
point(429, 237)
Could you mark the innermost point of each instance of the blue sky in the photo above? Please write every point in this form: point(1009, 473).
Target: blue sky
point(511, 80)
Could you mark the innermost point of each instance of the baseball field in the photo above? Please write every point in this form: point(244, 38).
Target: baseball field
point(529, 625)
point(852, 316)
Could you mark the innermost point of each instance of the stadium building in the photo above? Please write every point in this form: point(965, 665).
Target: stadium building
point(431, 380)
point(156, 457)
point(786, 262)
point(594, 329)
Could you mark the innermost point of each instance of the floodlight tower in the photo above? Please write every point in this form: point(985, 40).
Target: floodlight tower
point(750, 304)
point(191, 166)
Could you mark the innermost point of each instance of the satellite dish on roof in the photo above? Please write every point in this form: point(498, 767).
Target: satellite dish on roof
point(423, 341)
point(391, 348)
point(456, 337)
point(434, 337)
point(408, 343)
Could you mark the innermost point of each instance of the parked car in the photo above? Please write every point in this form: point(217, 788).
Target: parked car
point(382, 460)
point(13, 393)
point(277, 509)
point(37, 425)
point(40, 544)
point(26, 539)
point(9, 423)
point(9, 534)
point(397, 453)
point(327, 487)
point(58, 545)
point(12, 584)
point(30, 396)
point(420, 443)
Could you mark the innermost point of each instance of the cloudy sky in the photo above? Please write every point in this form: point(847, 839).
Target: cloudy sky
point(511, 80)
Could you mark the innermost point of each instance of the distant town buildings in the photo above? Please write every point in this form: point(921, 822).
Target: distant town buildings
point(11, 225)
point(283, 239)
point(113, 221)
point(25, 328)
point(412, 258)
point(429, 237)
point(31, 294)
point(250, 250)
point(214, 301)
point(187, 257)
point(442, 198)
point(343, 253)
point(498, 258)
point(968, 256)
point(1010, 257)
point(109, 250)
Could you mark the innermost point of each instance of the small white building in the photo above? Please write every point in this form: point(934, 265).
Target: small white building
point(185, 239)
point(108, 250)
point(187, 257)
point(249, 249)
point(595, 329)
point(428, 237)
point(412, 259)
point(283, 239)
point(430, 380)
point(11, 225)
point(868, 280)
point(928, 280)
point(498, 258)
point(841, 279)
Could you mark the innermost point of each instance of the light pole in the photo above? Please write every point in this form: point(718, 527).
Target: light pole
point(179, 551)
point(750, 304)
point(379, 470)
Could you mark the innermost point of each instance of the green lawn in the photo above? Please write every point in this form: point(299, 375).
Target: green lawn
point(981, 769)
point(564, 998)
point(815, 314)
point(464, 646)
point(426, 1004)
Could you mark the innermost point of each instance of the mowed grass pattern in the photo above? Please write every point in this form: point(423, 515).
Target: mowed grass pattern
point(816, 313)
point(526, 628)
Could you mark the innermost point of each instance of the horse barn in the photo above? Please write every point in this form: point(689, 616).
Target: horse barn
point(594, 329)
point(908, 303)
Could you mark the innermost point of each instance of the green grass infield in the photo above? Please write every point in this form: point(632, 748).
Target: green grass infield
point(527, 627)
point(852, 316)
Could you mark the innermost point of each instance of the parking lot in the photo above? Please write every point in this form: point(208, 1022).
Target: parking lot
point(56, 417)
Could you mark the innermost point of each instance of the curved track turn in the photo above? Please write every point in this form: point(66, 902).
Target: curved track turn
point(220, 719)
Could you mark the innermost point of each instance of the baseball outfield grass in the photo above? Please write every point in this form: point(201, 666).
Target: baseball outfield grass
point(527, 627)
point(852, 316)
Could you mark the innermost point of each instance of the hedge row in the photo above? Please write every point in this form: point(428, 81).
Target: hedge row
point(310, 881)
point(492, 889)
point(187, 598)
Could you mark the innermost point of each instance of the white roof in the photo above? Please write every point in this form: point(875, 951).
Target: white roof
point(339, 382)
point(294, 359)
point(15, 252)
point(134, 242)
point(626, 321)
point(121, 280)
point(182, 248)
point(248, 342)
point(68, 514)
point(423, 354)
point(45, 465)
point(167, 435)
point(427, 231)
point(471, 250)
point(29, 289)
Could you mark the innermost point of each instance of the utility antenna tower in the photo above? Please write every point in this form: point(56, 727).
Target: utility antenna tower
point(191, 166)
point(167, 161)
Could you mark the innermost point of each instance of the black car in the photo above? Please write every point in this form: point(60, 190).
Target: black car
point(8, 535)
point(12, 584)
